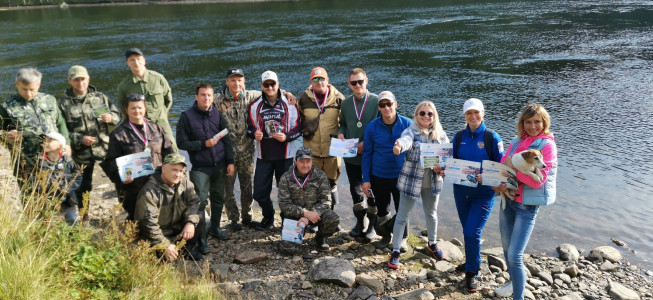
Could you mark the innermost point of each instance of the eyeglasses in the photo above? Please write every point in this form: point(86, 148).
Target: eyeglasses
point(423, 113)
point(269, 84)
point(385, 104)
point(317, 79)
point(355, 82)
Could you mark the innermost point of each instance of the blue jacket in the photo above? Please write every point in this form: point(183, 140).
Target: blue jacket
point(472, 148)
point(378, 159)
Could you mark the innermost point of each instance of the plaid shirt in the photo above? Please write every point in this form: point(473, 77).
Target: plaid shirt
point(411, 176)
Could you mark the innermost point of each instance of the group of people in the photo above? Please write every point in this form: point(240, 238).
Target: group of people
point(272, 133)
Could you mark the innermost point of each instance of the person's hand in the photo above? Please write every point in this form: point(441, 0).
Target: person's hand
point(437, 168)
point(479, 178)
point(291, 98)
point(500, 188)
point(366, 186)
point(68, 150)
point(211, 142)
point(442, 173)
point(397, 148)
point(14, 135)
point(171, 252)
point(341, 137)
point(88, 140)
point(279, 136)
point(231, 169)
point(188, 232)
point(312, 216)
point(303, 220)
point(258, 135)
point(128, 180)
point(359, 148)
point(106, 118)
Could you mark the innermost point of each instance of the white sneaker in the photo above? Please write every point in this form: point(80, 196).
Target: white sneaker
point(504, 290)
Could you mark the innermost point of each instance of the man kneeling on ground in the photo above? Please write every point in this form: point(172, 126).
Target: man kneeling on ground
point(167, 210)
point(305, 195)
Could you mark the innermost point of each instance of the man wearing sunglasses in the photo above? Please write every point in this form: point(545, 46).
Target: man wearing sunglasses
point(273, 124)
point(356, 112)
point(381, 167)
point(319, 108)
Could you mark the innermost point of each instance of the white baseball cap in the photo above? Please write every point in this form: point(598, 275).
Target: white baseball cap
point(269, 75)
point(473, 103)
point(57, 136)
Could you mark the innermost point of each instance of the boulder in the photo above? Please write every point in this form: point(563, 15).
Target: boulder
point(605, 253)
point(451, 251)
point(361, 293)
point(334, 270)
point(568, 252)
point(250, 257)
point(419, 294)
point(498, 262)
point(443, 266)
point(572, 270)
point(546, 277)
point(572, 296)
point(496, 251)
point(607, 266)
point(620, 292)
point(373, 283)
point(220, 272)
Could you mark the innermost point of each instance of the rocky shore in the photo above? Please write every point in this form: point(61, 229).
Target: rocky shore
point(258, 265)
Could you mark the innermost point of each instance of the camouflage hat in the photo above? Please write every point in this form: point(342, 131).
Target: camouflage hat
point(77, 72)
point(303, 152)
point(174, 158)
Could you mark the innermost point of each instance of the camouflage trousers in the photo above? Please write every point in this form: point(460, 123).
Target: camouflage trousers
point(245, 173)
point(328, 224)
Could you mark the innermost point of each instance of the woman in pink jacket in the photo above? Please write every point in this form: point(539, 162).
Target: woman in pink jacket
point(517, 218)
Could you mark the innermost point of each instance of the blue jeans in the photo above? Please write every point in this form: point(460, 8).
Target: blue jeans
point(430, 206)
point(265, 169)
point(210, 187)
point(516, 223)
point(473, 212)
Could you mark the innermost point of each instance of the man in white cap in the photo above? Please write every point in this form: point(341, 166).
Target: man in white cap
point(274, 124)
point(90, 117)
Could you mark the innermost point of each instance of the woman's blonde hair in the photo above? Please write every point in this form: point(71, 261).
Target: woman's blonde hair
point(530, 111)
point(436, 128)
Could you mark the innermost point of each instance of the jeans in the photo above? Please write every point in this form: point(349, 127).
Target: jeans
point(383, 188)
point(263, 182)
point(430, 206)
point(516, 223)
point(473, 212)
point(210, 187)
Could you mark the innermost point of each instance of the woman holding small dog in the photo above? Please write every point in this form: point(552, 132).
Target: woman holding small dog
point(474, 204)
point(517, 219)
point(419, 182)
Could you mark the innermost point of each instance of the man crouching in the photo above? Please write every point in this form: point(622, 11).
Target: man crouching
point(167, 210)
point(305, 195)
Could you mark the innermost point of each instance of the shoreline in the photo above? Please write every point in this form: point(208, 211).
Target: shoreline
point(65, 5)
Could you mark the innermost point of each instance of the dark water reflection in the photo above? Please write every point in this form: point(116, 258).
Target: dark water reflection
point(589, 63)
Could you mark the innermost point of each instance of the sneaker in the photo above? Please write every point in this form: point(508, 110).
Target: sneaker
point(219, 234)
point(234, 226)
point(504, 290)
point(460, 268)
point(436, 252)
point(470, 282)
point(394, 260)
point(265, 224)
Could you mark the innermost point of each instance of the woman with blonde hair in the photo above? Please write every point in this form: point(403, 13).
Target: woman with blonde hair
point(517, 218)
point(419, 182)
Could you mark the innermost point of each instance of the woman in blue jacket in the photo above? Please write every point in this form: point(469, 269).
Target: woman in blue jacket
point(474, 204)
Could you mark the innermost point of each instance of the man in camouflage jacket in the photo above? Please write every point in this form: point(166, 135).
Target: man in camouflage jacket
point(90, 117)
point(26, 116)
point(167, 209)
point(305, 195)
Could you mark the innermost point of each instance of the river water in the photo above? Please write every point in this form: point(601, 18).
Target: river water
point(588, 62)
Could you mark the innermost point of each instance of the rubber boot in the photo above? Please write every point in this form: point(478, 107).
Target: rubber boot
point(320, 242)
point(370, 233)
point(335, 200)
point(360, 222)
point(203, 243)
point(384, 229)
point(216, 217)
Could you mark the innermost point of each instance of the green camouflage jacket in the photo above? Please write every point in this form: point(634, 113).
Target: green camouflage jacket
point(81, 120)
point(34, 118)
point(162, 211)
point(316, 194)
point(236, 112)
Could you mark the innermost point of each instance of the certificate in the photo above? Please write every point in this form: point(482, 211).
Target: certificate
point(291, 232)
point(462, 172)
point(431, 154)
point(346, 148)
point(135, 165)
point(498, 174)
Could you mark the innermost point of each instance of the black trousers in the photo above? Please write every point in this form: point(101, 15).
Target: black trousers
point(383, 189)
point(86, 185)
point(355, 176)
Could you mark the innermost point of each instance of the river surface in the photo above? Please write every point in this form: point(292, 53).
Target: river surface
point(588, 62)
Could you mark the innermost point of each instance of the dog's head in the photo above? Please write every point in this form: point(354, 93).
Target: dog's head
point(534, 158)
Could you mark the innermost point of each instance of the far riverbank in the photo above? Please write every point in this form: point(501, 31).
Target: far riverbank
point(62, 4)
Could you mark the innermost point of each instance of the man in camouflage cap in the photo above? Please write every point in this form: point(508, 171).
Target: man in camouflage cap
point(90, 116)
point(27, 115)
point(167, 210)
point(305, 195)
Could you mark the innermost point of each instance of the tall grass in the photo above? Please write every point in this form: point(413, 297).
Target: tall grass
point(42, 257)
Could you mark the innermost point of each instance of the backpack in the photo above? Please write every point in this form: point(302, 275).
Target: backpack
point(488, 140)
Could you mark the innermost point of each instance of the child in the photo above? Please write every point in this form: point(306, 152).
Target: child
point(61, 174)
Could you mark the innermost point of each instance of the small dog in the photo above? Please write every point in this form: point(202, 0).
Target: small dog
point(529, 162)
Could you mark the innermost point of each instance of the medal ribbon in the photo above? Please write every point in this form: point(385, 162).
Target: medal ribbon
point(323, 102)
point(301, 185)
point(359, 116)
point(143, 138)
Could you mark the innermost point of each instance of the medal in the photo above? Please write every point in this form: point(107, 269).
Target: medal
point(359, 115)
point(321, 108)
point(302, 193)
point(147, 150)
point(303, 184)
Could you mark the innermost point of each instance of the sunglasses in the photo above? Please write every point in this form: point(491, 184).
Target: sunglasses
point(423, 113)
point(385, 104)
point(318, 79)
point(270, 84)
point(135, 97)
point(355, 82)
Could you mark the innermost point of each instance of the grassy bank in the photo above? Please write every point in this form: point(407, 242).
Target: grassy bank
point(42, 257)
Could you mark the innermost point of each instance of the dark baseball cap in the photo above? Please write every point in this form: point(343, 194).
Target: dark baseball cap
point(234, 72)
point(131, 51)
point(303, 152)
